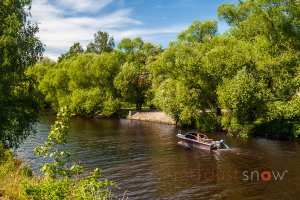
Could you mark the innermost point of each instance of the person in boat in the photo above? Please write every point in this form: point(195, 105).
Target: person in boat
point(199, 138)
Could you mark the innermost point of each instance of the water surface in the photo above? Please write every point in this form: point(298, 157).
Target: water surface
point(146, 161)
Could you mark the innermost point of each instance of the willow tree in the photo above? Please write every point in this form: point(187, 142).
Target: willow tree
point(19, 48)
point(134, 79)
point(84, 83)
point(183, 79)
point(268, 32)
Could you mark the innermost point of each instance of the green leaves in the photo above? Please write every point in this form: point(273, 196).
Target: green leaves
point(62, 181)
point(19, 48)
point(134, 78)
point(102, 43)
point(199, 31)
point(268, 26)
point(274, 19)
point(74, 50)
point(250, 72)
point(57, 137)
point(128, 45)
point(84, 83)
point(245, 100)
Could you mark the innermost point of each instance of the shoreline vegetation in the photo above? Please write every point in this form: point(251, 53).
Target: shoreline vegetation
point(60, 179)
point(150, 115)
point(19, 109)
point(252, 71)
point(157, 116)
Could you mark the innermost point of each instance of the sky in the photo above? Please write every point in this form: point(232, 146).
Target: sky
point(64, 22)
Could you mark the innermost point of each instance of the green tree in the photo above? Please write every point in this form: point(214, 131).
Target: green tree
point(102, 43)
point(277, 20)
point(267, 31)
point(84, 83)
point(128, 45)
point(37, 72)
point(133, 82)
point(251, 72)
point(19, 48)
point(74, 50)
point(134, 79)
point(185, 67)
point(245, 100)
point(199, 31)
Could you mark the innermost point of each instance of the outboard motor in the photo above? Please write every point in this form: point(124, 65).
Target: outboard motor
point(223, 145)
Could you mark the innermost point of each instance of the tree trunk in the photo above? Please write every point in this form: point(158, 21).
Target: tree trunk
point(219, 112)
point(137, 104)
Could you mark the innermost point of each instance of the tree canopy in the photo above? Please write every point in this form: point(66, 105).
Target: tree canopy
point(246, 80)
point(102, 43)
point(74, 50)
point(19, 48)
point(134, 80)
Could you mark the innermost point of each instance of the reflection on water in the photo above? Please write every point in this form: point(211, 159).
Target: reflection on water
point(146, 161)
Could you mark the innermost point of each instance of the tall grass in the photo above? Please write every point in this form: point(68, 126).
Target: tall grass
point(13, 176)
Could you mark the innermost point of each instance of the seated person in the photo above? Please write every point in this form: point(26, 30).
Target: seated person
point(199, 138)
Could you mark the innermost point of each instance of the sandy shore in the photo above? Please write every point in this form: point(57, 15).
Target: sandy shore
point(152, 116)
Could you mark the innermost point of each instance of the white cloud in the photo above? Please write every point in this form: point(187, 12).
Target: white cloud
point(59, 31)
point(84, 5)
point(157, 31)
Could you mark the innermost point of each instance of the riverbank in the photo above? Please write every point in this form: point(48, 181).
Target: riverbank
point(125, 113)
point(158, 116)
point(151, 116)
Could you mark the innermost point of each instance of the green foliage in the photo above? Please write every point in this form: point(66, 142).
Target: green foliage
point(128, 45)
point(52, 149)
point(251, 72)
point(19, 48)
point(245, 98)
point(74, 50)
point(208, 121)
point(4, 154)
point(199, 32)
point(102, 43)
point(62, 181)
point(184, 82)
point(278, 20)
point(13, 173)
point(168, 98)
point(270, 27)
point(84, 83)
point(134, 79)
point(86, 188)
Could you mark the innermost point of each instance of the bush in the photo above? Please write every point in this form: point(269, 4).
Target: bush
point(59, 180)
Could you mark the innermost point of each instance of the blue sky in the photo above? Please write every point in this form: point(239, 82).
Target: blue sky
point(63, 22)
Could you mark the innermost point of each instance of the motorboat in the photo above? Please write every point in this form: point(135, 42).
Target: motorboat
point(196, 140)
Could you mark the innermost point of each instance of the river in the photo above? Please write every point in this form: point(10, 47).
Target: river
point(147, 163)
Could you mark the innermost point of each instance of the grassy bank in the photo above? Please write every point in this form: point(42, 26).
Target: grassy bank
point(13, 177)
point(58, 180)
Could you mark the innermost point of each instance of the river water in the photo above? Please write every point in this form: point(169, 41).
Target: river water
point(147, 163)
